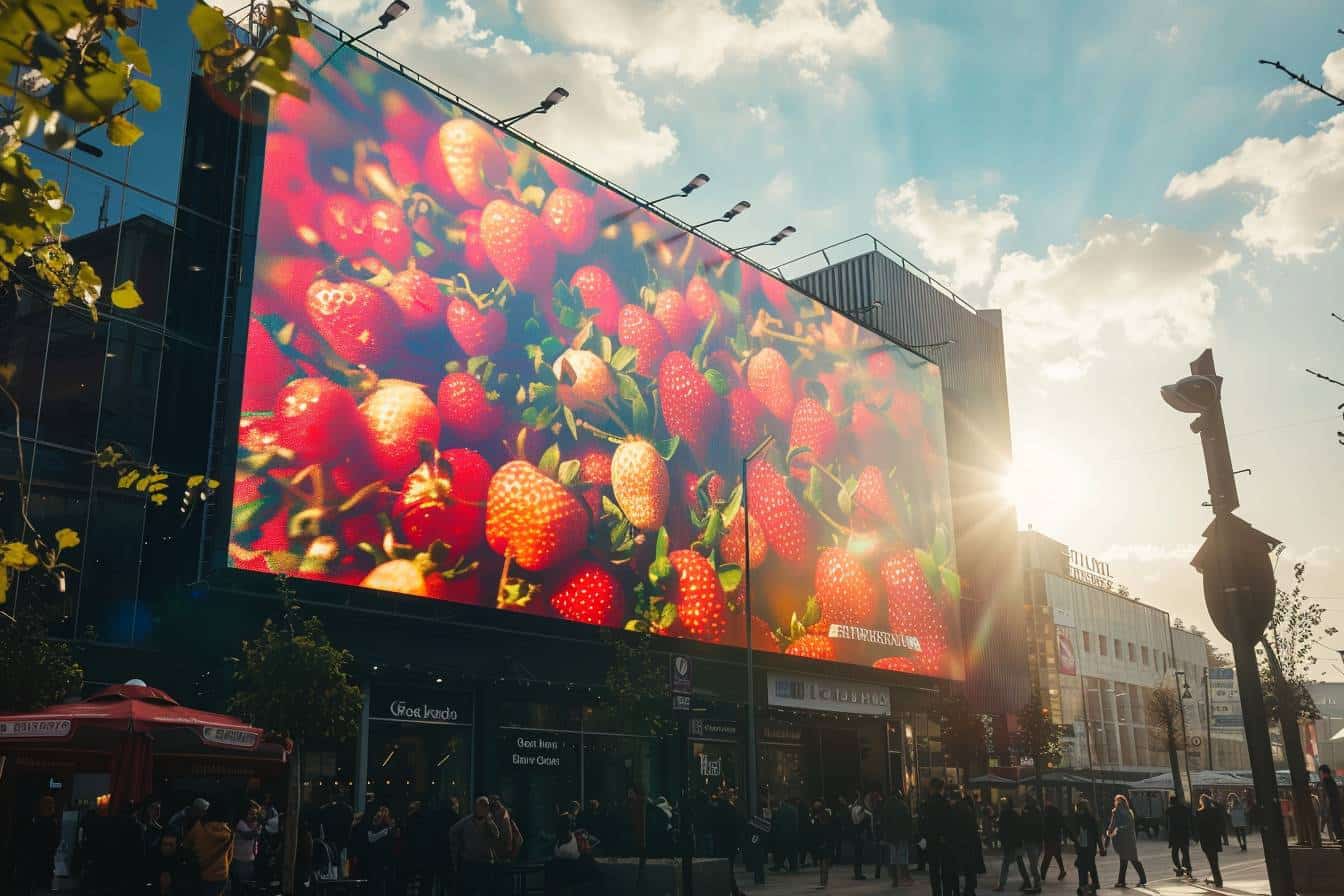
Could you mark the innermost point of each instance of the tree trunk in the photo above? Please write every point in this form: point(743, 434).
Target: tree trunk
point(1287, 710)
point(1040, 781)
point(1175, 770)
point(291, 856)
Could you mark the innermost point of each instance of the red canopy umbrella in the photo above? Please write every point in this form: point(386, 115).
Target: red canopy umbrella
point(127, 728)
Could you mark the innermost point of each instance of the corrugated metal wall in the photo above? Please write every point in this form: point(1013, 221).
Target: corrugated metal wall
point(975, 397)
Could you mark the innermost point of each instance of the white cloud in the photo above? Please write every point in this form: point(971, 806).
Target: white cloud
point(781, 187)
point(1332, 71)
point(1151, 284)
point(759, 113)
point(1168, 36)
point(456, 24)
point(1298, 189)
point(960, 236)
point(693, 39)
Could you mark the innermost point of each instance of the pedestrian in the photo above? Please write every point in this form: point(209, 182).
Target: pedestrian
point(1120, 832)
point(35, 855)
point(1052, 838)
point(511, 837)
point(1086, 834)
point(659, 827)
point(1209, 826)
point(151, 822)
point(417, 850)
point(898, 829)
point(1033, 836)
point(873, 802)
point(246, 840)
point(186, 818)
point(334, 821)
point(784, 828)
point(441, 821)
point(934, 825)
point(1179, 824)
point(211, 841)
point(964, 852)
point(726, 825)
point(1333, 806)
point(171, 871)
point(1236, 814)
point(1010, 840)
point(988, 824)
point(860, 832)
point(806, 840)
point(476, 842)
point(827, 834)
point(379, 859)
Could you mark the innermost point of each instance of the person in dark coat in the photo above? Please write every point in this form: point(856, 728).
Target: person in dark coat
point(1086, 836)
point(1052, 838)
point(964, 849)
point(726, 824)
point(1334, 808)
point(898, 829)
point(381, 839)
point(35, 859)
point(1178, 836)
point(933, 829)
point(805, 838)
point(784, 830)
point(826, 836)
point(1010, 840)
point(1209, 828)
point(1032, 830)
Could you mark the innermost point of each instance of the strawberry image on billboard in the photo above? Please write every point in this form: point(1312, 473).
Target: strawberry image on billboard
point(474, 374)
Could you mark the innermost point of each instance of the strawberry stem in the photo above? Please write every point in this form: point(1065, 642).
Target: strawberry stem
point(839, 527)
point(503, 579)
point(615, 418)
point(786, 337)
point(825, 472)
point(601, 433)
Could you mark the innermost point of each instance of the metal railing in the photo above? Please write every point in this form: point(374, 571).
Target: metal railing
point(853, 247)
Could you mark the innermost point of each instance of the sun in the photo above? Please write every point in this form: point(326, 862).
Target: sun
point(1044, 486)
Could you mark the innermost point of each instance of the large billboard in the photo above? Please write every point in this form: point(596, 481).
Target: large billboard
point(474, 374)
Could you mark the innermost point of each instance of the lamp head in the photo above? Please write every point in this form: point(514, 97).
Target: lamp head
point(1192, 394)
point(694, 184)
point(395, 10)
point(736, 210)
point(554, 98)
point(783, 235)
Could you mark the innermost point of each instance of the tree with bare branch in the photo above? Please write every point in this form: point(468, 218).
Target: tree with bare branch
point(1164, 727)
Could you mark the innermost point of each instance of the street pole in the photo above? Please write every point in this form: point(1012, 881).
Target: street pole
point(1185, 735)
point(1091, 769)
point(1208, 717)
point(686, 831)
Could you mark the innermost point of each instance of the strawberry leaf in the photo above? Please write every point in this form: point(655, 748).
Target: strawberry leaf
point(550, 461)
point(732, 505)
point(661, 545)
point(515, 593)
point(952, 582)
point(667, 616)
point(624, 357)
point(713, 529)
point(811, 612)
point(568, 473)
point(570, 423)
point(731, 303)
point(667, 447)
point(730, 576)
point(717, 381)
point(660, 571)
point(940, 546)
point(637, 625)
point(930, 568)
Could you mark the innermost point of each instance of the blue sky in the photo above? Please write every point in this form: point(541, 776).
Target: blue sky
point(1086, 168)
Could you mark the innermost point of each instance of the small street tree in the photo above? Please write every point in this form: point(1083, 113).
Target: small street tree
point(36, 670)
point(965, 736)
point(1164, 727)
point(293, 682)
point(1037, 738)
point(637, 682)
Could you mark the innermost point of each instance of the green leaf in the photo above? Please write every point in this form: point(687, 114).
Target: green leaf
point(660, 570)
point(570, 423)
point(639, 412)
point(208, 25)
point(629, 389)
point(713, 528)
point(667, 447)
point(550, 461)
point(730, 576)
point(624, 357)
point(133, 53)
point(733, 505)
point(660, 546)
point(940, 546)
point(668, 616)
point(717, 381)
point(122, 132)
point(568, 472)
point(731, 303)
point(952, 582)
point(125, 296)
point(930, 568)
point(147, 95)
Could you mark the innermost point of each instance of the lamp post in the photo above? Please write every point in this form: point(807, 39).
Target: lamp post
point(1182, 696)
point(395, 10)
point(692, 185)
point(729, 215)
point(773, 241)
point(1208, 717)
point(549, 102)
point(753, 792)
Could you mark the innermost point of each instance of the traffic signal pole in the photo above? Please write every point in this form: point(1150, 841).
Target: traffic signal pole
point(1239, 591)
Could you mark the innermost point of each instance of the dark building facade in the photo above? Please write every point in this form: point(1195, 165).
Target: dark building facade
point(900, 301)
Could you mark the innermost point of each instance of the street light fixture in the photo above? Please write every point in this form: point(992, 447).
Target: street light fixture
point(729, 215)
point(553, 99)
point(773, 241)
point(692, 185)
point(395, 10)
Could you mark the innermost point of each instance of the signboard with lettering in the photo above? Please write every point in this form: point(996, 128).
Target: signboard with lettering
point(827, 695)
point(1090, 570)
point(229, 737)
point(420, 706)
point(1224, 699)
point(532, 749)
point(35, 728)
point(680, 674)
point(713, 729)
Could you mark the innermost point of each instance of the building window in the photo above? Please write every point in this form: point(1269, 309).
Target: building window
point(1087, 642)
point(1101, 644)
point(1145, 656)
point(1132, 654)
point(1118, 654)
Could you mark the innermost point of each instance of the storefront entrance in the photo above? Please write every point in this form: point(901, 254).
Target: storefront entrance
point(419, 749)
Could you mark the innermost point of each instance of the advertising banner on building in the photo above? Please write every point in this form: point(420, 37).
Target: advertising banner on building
point(1225, 699)
point(800, 692)
point(476, 374)
point(1065, 642)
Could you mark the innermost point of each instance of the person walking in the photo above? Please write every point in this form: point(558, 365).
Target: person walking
point(246, 840)
point(1179, 822)
point(35, 857)
point(784, 829)
point(476, 841)
point(1121, 833)
point(964, 851)
point(934, 823)
point(1052, 838)
point(727, 826)
point(1209, 826)
point(1333, 807)
point(380, 857)
point(860, 832)
point(211, 841)
point(898, 828)
point(1086, 835)
point(1010, 841)
point(1236, 814)
point(826, 833)
point(1032, 835)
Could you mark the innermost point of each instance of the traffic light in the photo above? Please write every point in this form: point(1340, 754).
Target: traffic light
point(1201, 394)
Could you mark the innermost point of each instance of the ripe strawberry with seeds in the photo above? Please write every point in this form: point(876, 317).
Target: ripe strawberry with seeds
point(444, 500)
point(467, 408)
point(478, 331)
point(571, 218)
point(532, 518)
point(691, 407)
point(343, 222)
point(641, 331)
point(519, 246)
point(585, 381)
point(388, 235)
point(816, 647)
point(670, 310)
point(704, 303)
point(868, 426)
point(640, 483)
point(402, 120)
point(473, 250)
point(589, 594)
point(872, 500)
point(912, 610)
point(418, 297)
point(399, 416)
point(470, 158)
point(358, 321)
point(813, 428)
point(771, 381)
point(289, 276)
point(780, 514)
point(734, 544)
point(746, 420)
point(844, 592)
point(895, 664)
point(698, 595)
point(267, 370)
point(600, 294)
point(318, 421)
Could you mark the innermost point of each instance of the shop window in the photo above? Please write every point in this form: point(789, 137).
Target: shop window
point(73, 381)
point(1101, 644)
point(613, 764)
point(537, 771)
point(1118, 654)
point(1145, 656)
point(1132, 652)
point(410, 763)
point(1087, 642)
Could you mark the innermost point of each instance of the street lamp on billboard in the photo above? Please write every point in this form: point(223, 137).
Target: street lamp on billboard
point(395, 10)
point(773, 241)
point(753, 794)
point(692, 185)
point(552, 99)
point(729, 215)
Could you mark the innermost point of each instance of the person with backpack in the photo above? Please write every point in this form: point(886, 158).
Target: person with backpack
point(860, 832)
point(1086, 836)
point(211, 841)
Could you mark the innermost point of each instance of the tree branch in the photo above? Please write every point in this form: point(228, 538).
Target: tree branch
point(1321, 376)
point(1310, 85)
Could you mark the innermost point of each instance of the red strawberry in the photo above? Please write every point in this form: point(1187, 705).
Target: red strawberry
point(288, 184)
point(868, 426)
point(267, 369)
point(402, 120)
point(343, 222)
point(405, 577)
point(519, 246)
point(595, 467)
point(358, 321)
point(477, 332)
point(776, 292)
point(779, 513)
point(590, 594)
point(844, 591)
point(698, 596)
point(466, 409)
point(771, 381)
point(473, 250)
point(691, 408)
point(641, 331)
point(571, 219)
point(560, 175)
point(585, 381)
point(402, 164)
point(881, 377)
point(599, 293)
point(817, 647)
point(895, 664)
point(445, 502)
point(288, 276)
point(734, 544)
point(813, 427)
point(318, 421)
point(872, 499)
point(470, 157)
point(419, 299)
point(705, 303)
point(389, 237)
point(746, 420)
point(912, 610)
point(533, 518)
point(671, 311)
point(640, 483)
point(762, 638)
point(906, 412)
point(400, 416)
point(316, 118)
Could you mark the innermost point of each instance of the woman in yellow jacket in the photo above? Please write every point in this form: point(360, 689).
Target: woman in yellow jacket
point(211, 841)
